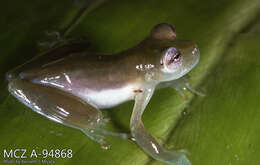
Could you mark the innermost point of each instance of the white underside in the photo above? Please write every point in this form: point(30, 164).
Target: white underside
point(108, 98)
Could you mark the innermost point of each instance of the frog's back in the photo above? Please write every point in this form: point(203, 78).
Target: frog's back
point(103, 80)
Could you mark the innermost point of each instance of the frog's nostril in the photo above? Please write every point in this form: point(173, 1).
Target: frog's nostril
point(195, 51)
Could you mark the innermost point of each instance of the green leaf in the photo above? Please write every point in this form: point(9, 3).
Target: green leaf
point(220, 128)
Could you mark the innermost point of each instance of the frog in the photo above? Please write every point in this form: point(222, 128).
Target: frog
point(71, 85)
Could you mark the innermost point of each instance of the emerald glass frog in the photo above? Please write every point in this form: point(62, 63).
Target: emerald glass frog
point(71, 85)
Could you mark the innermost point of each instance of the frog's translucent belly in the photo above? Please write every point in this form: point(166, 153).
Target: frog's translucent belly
point(107, 98)
point(101, 99)
point(98, 95)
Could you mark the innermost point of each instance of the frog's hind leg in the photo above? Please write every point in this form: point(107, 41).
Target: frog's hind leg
point(63, 108)
point(55, 38)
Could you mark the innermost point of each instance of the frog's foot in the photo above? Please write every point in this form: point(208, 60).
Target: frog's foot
point(177, 158)
point(183, 160)
point(105, 120)
point(123, 136)
point(54, 38)
point(182, 84)
point(179, 90)
point(97, 138)
point(98, 135)
point(53, 34)
point(184, 151)
point(192, 90)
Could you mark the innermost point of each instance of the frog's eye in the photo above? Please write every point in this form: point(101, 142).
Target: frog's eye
point(172, 56)
point(172, 59)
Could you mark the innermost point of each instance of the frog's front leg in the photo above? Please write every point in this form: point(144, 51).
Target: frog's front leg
point(145, 140)
point(63, 108)
point(186, 85)
point(181, 84)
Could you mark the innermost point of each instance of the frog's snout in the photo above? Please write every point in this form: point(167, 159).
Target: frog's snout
point(196, 55)
point(195, 51)
point(191, 58)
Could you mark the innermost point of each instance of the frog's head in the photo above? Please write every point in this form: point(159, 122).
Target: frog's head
point(174, 58)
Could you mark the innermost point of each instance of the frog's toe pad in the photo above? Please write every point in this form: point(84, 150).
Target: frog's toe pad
point(106, 120)
point(105, 145)
point(183, 160)
point(192, 90)
point(178, 159)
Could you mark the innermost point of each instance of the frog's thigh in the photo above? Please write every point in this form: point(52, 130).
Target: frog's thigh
point(61, 107)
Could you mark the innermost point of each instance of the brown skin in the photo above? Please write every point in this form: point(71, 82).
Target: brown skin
point(107, 71)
